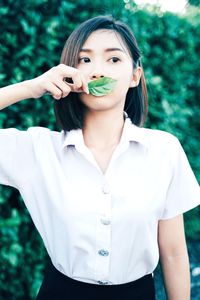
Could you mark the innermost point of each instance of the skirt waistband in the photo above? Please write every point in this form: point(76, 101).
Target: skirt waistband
point(102, 284)
point(57, 286)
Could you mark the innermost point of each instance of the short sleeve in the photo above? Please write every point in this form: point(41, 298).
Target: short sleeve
point(15, 156)
point(183, 192)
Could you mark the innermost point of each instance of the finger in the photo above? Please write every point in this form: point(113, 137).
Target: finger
point(82, 88)
point(77, 80)
point(85, 84)
point(54, 91)
point(64, 87)
point(70, 72)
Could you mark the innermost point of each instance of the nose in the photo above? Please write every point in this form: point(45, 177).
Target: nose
point(97, 75)
point(97, 70)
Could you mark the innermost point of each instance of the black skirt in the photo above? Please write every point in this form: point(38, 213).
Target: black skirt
point(57, 286)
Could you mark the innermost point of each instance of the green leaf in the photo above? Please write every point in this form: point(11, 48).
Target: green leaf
point(102, 86)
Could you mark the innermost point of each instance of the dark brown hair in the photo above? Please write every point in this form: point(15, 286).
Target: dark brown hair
point(70, 110)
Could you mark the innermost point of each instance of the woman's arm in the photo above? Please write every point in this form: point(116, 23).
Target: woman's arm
point(174, 258)
point(14, 93)
point(51, 81)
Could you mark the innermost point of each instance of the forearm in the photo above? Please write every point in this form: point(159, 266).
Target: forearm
point(52, 82)
point(176, 274)
point(14, 93)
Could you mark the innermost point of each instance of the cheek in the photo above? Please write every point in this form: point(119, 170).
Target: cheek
point(124, 83)
point(126, 74)
point(86, 71)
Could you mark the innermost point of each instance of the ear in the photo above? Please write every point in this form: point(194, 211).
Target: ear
point(135, 79)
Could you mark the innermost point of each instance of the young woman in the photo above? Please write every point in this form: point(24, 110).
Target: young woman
point(106, 195)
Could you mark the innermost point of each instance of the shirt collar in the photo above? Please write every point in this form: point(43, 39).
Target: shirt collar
point(130, 132)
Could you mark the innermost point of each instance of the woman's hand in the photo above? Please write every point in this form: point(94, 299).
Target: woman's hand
point(53, 82)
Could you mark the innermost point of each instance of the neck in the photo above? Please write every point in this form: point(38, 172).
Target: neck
point(103, 129)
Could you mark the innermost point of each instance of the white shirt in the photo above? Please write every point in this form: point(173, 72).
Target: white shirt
point(99, 228)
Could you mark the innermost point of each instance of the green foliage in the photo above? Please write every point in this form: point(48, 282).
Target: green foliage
point(170, 59)
point(33, 34)
point(194, 2)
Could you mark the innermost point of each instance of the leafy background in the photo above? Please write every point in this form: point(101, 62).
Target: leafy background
point(32, 37)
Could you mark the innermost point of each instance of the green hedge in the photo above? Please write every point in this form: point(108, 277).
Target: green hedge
point(32, 36)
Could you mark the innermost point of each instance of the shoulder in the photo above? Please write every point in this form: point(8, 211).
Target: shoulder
point(42, 136)
point(41, 130)
point(161, 143)
point(30, 135)
point(38, 131)
point(165, 149)
point(159, 138)
point(35, 130)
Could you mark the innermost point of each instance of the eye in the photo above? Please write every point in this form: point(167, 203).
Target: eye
point(115, 59)
point(85, 59)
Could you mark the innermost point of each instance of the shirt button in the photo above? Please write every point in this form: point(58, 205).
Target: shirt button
point(102, 282)
point(103, 252)
point(105, 221)
point(106, 188)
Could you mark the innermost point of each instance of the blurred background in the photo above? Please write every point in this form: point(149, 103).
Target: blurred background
point(33, 33)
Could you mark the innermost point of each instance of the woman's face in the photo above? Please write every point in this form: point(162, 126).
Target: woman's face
point(105, 55)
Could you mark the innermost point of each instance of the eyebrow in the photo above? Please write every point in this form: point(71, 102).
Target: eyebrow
point(106, 50)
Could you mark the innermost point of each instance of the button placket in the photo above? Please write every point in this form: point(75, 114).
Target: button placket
point(107, 201)
point(102, 264)
point(103, 236)
point(106, 188)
